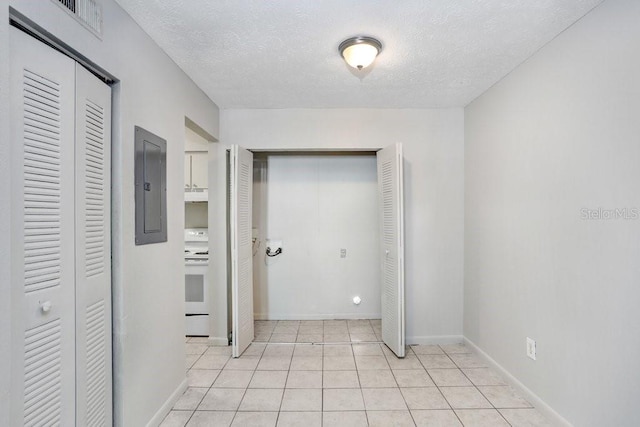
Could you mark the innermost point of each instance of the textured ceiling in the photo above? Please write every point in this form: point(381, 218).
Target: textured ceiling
point(283, 53)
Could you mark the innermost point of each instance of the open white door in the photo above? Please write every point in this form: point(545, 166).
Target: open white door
point(391, 211)
point(241, 167)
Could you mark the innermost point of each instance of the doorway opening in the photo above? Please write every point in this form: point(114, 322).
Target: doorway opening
point(197, 180)
point(320, 208)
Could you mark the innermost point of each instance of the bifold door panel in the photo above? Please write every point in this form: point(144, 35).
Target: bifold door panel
point(390, 199)
point(93, 250)
point(241, 168)
point(60, 261)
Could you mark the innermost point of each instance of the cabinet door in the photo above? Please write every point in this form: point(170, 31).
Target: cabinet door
point(187, 171)
point(42, 90)
point(199, 170)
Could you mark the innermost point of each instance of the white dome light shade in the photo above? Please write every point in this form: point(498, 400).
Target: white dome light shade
point(360, 52)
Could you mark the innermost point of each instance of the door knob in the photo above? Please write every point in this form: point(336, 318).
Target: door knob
point(45, 306)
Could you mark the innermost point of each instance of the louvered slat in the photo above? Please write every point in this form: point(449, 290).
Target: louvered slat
point(41, 181)
point(390, 299)
point(94, 189)
point(244, 233)
point(96, 350)
point(42, 374)
point(244, 228)
point(89, 12)
point(388, 229)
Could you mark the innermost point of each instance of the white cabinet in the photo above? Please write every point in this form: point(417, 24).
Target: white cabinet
point(187, 172)
point(196, 176)
point(199, 175)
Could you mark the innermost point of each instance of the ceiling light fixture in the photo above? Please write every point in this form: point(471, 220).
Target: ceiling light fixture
point(360, 52)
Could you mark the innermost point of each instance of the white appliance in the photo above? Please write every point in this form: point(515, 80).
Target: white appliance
point(196, 292)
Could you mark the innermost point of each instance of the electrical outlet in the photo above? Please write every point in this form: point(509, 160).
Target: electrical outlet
point(343, 253)
point(531, 348)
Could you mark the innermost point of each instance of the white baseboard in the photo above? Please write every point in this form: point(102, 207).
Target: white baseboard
point(168, 404)
point(218, 341)
point(435, 340)
point(546, 410)
point(340, 316)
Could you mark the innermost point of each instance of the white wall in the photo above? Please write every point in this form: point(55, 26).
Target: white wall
point(557, 135)
point(148, 280)
point(433, 149)
point(317, 204)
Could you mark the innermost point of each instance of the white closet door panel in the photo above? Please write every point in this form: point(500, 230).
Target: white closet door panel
point(241, 163)
point(391, 212)
point(42, 261)
point(93, 250)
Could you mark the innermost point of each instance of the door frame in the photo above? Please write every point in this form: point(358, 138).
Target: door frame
point(231, 314)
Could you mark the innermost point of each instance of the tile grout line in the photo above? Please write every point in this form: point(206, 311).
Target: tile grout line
point(400, 389)
point(366, 415)
point(460, 368)
point(411, 353)
point(445, 398)
point(438, 387)
point(188, 369)
point(208, 389)
point(284, 390)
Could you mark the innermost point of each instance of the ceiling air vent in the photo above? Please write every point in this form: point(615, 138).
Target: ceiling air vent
point(87, 12)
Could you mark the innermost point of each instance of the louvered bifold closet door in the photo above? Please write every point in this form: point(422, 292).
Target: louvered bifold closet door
point(241, 165)
point(42, 229)
point(391, 214)
point(93, 249)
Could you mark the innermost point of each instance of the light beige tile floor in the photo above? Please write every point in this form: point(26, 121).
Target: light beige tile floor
point(323, 376)
point(318, 331)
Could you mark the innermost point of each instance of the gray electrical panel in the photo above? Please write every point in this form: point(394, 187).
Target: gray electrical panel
point(151, 187)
